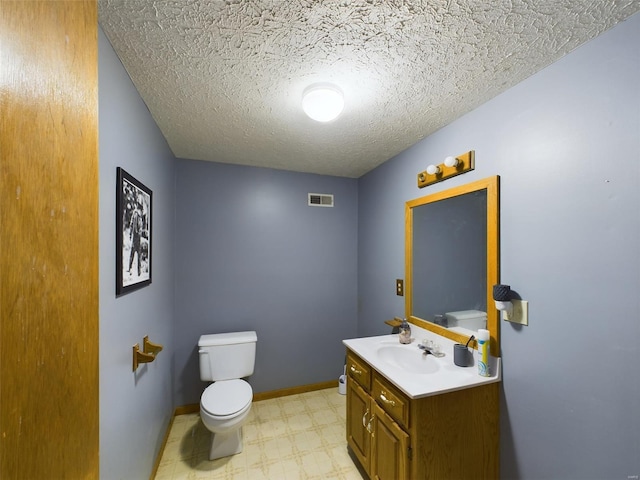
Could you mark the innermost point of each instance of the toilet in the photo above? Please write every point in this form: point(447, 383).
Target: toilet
point(225, 359)
point(466, 321)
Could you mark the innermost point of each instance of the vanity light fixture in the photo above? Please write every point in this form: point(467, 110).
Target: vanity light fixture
point(433, 170)
point(450, 162)
point(450, 167)
point(322, 102)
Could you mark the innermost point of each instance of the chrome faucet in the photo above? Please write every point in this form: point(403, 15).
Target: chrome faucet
point(428, 347)
point(427, 350)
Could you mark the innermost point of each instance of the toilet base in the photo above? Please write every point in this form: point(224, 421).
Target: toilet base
point(225, 444)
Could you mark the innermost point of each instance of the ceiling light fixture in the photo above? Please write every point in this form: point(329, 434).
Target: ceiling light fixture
point(322, 102)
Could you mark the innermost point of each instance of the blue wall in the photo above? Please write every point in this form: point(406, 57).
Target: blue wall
point(566, 144)
point(135, 408)
point(252, 255)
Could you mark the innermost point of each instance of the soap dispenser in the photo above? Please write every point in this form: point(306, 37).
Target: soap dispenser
point(405, 332)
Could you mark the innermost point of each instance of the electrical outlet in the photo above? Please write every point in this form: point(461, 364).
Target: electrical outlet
point(399, 287)
point(520, 312)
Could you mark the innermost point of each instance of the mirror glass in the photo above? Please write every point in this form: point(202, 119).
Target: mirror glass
point(452, 261)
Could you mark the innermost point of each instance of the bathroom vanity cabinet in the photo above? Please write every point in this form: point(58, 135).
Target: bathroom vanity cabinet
point(395, 437)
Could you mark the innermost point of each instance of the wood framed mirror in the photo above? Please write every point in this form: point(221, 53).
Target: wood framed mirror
point(452, 261)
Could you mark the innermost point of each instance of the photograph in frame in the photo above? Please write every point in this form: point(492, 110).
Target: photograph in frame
point(133, 234)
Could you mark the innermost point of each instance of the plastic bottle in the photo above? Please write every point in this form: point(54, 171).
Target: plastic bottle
point(405, 332)
point(483, 353)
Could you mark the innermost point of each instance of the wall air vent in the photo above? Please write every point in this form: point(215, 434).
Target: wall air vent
point(320, 200)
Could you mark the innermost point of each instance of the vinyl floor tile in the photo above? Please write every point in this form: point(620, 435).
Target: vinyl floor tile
point(298, 437)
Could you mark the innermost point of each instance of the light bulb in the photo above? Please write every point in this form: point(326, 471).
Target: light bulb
point(433, 169)
point(451, 161)
point(322, 102)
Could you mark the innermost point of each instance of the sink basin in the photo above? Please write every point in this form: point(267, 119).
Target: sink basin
point(408, 358)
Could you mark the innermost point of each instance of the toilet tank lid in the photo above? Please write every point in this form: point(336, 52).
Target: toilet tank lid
point(466, 314)
point(231, 338)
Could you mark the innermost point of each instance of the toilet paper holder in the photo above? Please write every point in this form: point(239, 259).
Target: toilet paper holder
point(150, 347)
point(148, 353)
point(141, 357)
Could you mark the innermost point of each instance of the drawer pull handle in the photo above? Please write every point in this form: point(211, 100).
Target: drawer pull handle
point(355, 370)
point(386, 400)
point(366, 424)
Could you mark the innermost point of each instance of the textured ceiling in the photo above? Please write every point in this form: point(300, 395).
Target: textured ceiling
point(223, 79)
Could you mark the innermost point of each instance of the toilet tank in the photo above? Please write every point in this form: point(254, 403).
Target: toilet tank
point(227, 356)
point(469, 319)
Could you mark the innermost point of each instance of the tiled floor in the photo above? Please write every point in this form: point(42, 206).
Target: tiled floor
point(292, 438)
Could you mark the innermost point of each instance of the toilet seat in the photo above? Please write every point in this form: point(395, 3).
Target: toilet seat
point(226, 398)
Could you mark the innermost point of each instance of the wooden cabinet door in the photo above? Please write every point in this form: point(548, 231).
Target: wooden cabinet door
point(358, 423)
point(389, 448)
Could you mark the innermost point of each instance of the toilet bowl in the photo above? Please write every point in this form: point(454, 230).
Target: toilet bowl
point(224, 408)
point(225, 404)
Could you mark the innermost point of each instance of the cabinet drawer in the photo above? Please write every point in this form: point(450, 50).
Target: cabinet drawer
point(392, 400)
point(359, 370)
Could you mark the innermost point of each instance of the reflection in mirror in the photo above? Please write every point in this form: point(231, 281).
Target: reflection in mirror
point(452, 260)
point(453, 232)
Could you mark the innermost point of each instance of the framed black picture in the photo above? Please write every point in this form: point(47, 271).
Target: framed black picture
point(133, 234)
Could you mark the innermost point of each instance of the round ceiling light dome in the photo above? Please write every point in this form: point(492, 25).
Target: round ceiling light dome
point(322, 102)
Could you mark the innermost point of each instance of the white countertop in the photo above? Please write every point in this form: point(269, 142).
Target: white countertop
point(410, 378)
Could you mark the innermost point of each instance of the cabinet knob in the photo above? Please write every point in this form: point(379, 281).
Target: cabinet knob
point(355, 370)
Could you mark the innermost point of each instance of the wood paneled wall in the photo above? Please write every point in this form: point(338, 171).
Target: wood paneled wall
point(49, 419)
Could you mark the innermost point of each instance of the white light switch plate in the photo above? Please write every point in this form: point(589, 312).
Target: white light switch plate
point(520, 313)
